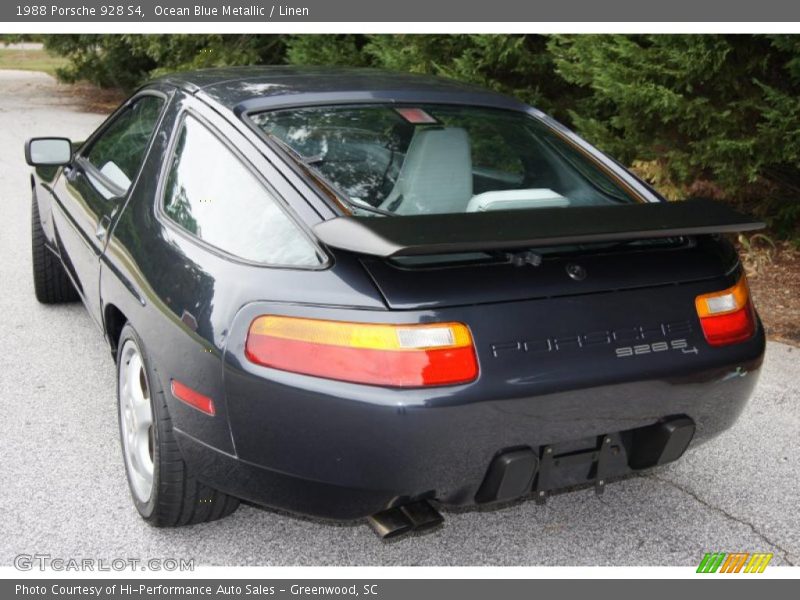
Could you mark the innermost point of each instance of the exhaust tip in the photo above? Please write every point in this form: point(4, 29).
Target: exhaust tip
point(400, 520)
point(422, 515)
point(390, 523)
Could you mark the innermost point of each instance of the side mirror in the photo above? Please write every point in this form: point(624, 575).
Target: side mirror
point(48, 152)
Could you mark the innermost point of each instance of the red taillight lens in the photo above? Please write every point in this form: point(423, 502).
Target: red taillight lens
point(727, 317)
point(376, 354)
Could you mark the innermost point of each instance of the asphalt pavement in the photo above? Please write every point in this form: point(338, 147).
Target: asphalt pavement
point(63, 490)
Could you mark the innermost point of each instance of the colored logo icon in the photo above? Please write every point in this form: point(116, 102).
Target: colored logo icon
point(736, 562)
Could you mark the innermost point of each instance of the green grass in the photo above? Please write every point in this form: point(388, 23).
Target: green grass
point(30, 60)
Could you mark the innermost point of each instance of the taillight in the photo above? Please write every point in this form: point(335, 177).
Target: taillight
point(377, 354)
point(727, 317)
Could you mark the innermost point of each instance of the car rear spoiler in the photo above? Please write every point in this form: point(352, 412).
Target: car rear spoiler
point(505, 230)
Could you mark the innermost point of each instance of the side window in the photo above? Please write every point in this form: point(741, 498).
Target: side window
point(211, 194)
point(119, 151)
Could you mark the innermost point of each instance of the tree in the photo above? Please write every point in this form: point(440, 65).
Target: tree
point(711, 115)
point(518, 65)
point(126, 61)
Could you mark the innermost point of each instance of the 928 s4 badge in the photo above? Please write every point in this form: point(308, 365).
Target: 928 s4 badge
point(680, 345)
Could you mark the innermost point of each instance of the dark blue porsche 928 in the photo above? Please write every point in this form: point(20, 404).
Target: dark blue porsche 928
point(352, 293)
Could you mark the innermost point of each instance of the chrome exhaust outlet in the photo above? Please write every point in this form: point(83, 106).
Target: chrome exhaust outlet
point(397, 521)
point(390, 523)
point(422, 515)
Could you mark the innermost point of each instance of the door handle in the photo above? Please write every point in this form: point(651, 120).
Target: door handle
point(102, 228)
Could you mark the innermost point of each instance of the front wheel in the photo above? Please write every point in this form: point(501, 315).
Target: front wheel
point(165, 493)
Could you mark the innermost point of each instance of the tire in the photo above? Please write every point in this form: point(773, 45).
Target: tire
point(50, 280)
point(174, 496)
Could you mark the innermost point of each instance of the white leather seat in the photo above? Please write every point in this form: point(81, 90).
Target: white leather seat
point(436, 176)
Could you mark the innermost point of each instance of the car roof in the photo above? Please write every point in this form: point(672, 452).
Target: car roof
point(245, 89)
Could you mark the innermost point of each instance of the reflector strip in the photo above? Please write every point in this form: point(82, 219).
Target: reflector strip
point(193, 398)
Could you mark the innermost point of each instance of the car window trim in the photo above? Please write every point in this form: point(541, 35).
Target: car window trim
point(82, 159)
point(282, 204)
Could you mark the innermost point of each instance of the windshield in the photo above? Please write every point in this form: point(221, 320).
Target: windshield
point(426, 159)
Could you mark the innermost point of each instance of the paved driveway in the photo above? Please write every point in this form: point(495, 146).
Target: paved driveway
point(63, 490)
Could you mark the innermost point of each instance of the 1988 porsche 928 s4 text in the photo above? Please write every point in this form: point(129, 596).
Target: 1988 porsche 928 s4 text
point(351, 294)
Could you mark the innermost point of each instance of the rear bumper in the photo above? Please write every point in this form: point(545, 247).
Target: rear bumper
point(316, 447)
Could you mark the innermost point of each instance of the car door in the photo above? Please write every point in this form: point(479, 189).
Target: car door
point(94, 188)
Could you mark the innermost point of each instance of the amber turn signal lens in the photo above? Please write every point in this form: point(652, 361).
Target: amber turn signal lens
point(727, 317)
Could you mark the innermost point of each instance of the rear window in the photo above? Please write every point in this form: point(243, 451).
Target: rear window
point(430, 159)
